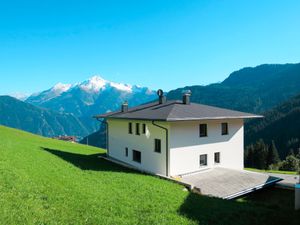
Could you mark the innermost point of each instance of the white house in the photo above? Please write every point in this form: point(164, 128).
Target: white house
point(176, 137)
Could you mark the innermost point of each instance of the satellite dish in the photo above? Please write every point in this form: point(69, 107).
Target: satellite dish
point(160, 92)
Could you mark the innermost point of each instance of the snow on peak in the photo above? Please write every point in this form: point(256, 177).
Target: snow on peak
point(121, 87)
point(60, 87)
point(97, 83)
point(93, 84)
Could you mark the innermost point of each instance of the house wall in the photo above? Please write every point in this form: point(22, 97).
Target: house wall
point(186, 146)
point(119, 139)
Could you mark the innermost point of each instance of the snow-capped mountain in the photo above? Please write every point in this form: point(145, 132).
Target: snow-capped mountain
point(97, 83)
point(93, 96)
point(93, 86)
point(55, 91)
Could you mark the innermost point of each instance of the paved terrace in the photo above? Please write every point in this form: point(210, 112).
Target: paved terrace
point(227, 183)
point(288, 181)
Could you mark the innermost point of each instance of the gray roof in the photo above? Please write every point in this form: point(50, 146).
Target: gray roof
point(177, 111)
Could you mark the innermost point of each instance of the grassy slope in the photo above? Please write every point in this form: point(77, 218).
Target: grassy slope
point(272, 171)
point(44, 181)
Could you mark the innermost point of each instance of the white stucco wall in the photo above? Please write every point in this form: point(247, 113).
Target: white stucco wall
point(119, 139)
point(186, 146)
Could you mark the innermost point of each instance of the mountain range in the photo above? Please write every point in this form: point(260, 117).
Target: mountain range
point(252, 89)
point(90, 97)
point(65, 104)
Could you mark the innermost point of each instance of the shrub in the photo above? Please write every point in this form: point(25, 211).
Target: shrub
point(291, 163)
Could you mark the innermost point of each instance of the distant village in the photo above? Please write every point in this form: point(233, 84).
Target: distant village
point(72, 139)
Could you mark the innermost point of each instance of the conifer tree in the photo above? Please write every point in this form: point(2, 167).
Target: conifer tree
point(260, 155)
point(250, 156)
point(272, 157)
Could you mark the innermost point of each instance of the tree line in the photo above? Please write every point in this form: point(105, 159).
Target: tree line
point(265, 156)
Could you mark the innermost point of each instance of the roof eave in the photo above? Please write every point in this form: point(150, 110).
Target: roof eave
point(215, 118)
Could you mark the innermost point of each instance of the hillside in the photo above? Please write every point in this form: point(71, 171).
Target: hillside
point(21, 115)
point(251, 89)
point(45, 181)
point(281, 124)
point(97, 139)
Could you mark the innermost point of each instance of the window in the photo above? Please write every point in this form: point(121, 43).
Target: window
point(217, 157)
point(126, 152)
point(130, 128)
point(137, 129)
point(224, 128)
point(144, 128)
point(136, 156)
point(157, 145)
point(203, 160)
point(203, 130)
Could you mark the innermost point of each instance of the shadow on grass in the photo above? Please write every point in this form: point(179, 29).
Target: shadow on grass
point(88, 162)
point(208, 210)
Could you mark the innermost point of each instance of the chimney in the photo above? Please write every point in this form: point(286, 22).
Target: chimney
point(161, 98)
point(124, 107)
point(186, 97)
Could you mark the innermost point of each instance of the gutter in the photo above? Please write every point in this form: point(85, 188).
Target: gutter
point(167, 146)
point(107, 136)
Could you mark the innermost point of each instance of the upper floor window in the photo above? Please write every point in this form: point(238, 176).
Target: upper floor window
point(137, 129)
point(224, 128)
point(157, 145)
point(130, 128)
point(126, 152)
point(203, 130)
point(144, 128)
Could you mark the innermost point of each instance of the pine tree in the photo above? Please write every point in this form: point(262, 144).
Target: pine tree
point(272, 157)
point(249, 159)
point(260, 155)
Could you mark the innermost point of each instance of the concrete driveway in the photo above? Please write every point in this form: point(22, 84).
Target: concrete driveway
point(227, 183)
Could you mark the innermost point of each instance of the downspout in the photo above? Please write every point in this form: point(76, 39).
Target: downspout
point(107, 130)
point(167, 146)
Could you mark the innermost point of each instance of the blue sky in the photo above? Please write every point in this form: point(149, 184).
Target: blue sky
point(160, 44)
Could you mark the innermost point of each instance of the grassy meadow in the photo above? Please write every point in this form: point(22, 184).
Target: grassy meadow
point(45, 181)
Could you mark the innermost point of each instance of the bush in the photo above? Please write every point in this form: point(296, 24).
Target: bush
point(291, 163)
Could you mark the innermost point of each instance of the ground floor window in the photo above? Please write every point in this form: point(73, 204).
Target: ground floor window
point(203, 160)
point(136, 156)
point(157, 145)
point(126, 152)
point(217, 157)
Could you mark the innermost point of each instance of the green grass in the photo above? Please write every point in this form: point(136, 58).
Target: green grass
point(272, 171)
point(45, 181)
point(275, 198)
